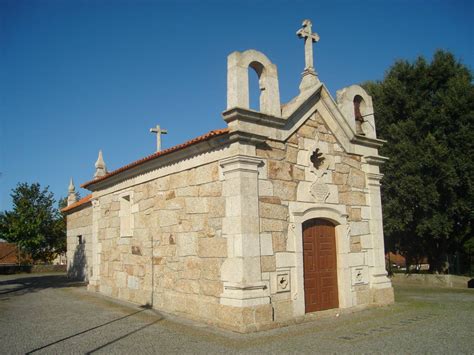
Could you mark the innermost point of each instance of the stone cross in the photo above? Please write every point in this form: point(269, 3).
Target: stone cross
point(309, 38)
point(158, 132)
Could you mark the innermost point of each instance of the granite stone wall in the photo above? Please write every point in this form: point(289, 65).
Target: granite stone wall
point(176, 248)
point(79, 243)
point(289, 176)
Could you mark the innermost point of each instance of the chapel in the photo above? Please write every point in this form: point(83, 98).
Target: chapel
point(266, 222)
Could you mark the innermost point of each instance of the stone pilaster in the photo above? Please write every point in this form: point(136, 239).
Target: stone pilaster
point(94, 276)
point(241, 272)
point(378, 274)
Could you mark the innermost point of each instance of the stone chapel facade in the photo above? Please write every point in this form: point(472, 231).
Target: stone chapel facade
point(248, 227)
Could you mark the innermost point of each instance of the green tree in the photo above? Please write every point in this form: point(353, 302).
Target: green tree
point(426, 113)
point(34, 224)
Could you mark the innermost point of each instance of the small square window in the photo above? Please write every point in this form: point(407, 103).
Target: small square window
point(80, 240)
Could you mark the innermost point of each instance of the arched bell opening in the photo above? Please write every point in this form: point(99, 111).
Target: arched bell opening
point(256, 85)
point(268, 93)
point(360, 110)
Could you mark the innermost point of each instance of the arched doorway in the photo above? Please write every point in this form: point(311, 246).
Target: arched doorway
point(320, 265)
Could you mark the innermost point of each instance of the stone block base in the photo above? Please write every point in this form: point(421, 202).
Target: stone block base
point(245, 319)
point(92, 288)
point(283, 310)
point(378, 296)
point(259, 317)
point(383, 296)
point(208, 310)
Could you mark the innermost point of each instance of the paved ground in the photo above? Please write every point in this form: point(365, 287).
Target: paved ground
point(46, 314)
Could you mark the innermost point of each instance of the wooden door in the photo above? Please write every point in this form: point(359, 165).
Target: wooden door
point(320, 265)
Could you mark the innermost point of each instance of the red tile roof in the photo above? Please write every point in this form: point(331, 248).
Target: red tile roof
point(81, 202)
point(199, 139)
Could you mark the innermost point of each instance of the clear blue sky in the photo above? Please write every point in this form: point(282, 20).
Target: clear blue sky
point(79, 76)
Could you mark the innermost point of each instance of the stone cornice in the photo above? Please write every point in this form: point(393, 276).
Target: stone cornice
point(255, 127)
point(246, 115)
point(166, 160)
point(375, 159)
point(374, 177)
point(368, 142)
point(246, 137)
point(240, 163)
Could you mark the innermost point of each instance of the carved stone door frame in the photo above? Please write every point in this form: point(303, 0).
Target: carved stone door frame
point(301, 212)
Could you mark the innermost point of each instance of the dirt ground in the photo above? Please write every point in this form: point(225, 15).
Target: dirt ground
point(49, 314)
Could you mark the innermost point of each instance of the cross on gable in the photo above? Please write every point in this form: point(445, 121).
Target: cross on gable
point(309, 37)
point(158, 132)
point(306, 31)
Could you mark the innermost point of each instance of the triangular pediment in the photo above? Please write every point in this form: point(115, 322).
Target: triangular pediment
point(248, 123)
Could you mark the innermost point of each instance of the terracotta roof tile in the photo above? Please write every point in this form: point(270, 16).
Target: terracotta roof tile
point(199, 139)
point(76, 204)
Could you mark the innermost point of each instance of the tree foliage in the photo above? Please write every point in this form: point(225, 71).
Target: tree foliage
point(34, 224)
point(426, 113)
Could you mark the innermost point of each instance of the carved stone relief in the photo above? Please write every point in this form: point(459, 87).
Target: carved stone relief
point(320, 191)
point(360, 275)
point(319, 166)
point(283, 281)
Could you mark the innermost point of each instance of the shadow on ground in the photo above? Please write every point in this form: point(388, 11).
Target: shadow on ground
point(144, 308)
point(21, 285)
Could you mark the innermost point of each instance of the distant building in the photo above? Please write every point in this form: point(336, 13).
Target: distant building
point(8, 253)
point(398, 261)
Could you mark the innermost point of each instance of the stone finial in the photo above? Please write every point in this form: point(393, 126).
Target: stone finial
point(71, 196)
point(100, 167)
point(71, 188)
point(310, 77)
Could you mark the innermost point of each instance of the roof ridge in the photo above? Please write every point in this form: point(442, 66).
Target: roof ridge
point(81, 202)
point(201, 138)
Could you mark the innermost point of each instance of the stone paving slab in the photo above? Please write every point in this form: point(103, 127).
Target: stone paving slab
point(47, 314)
